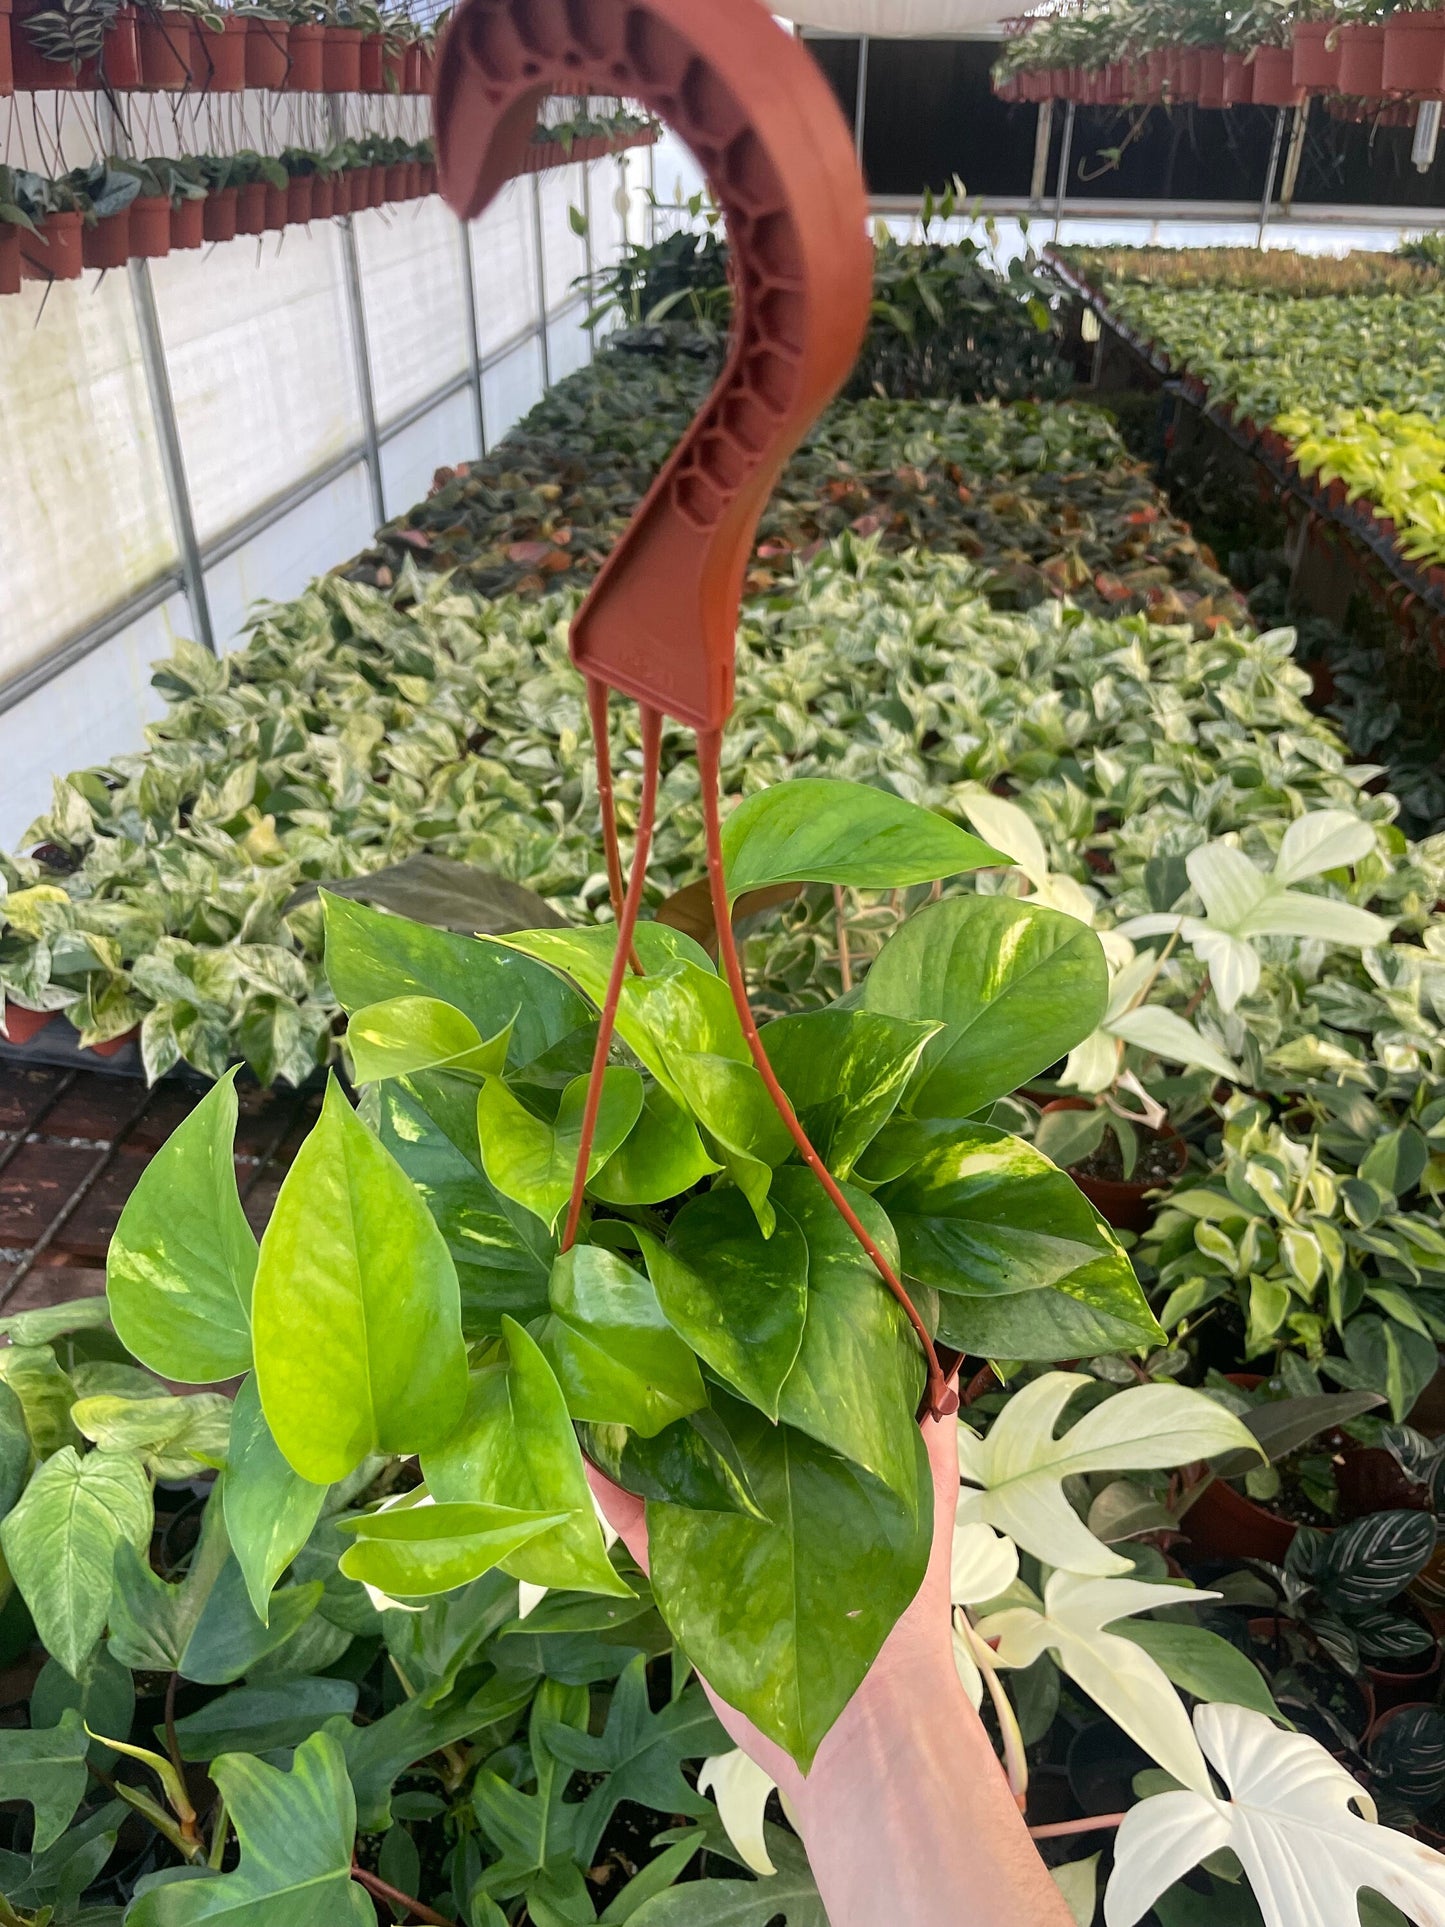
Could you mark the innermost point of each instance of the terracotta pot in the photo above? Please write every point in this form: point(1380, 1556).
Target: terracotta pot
point(341, 60)
point(413, 181)
point(1211, 77)
point(1313, 65)
point(1187, 86)
point(330, 194)
point(393, 69)
point(56, 253)
point(428, 177)
point(1405, 1683)
point(1238, 81)
point(1362, 60)
point(113, 1045)
point(1414, 61)
point(1224, 1524)
point(414, 83)
point(167, 50)
point(395, 182)
point(278, 207)
point(9, 258)
point(1370, 1479)
point(150, 227)
point(372, 50)
point(428, 70)
point(188, 224)
point(1156, 73)
point(7, 68)
point(300, 199)
point(31, 72)
point(107, 243)
point(119, 64)
point(304, 76)
point(267, 53)
point(1274, 78)
point(1122, 1203)
point(219, 212)
point(21, 1024)
point(221, 57)
point(251, 208)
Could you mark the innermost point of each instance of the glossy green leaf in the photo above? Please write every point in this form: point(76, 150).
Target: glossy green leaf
point(680, 1021)
point(790, 1895)
point(1202, 1663)
point(618, 1359)
point(1025, 1267)
point(816, 829)
point(845, 1072)
point(45, 1767)
point(784, 1619)
point(502, 1252)
point(356, 1310)
point(45, 1392)
point(372, 957)
point(230, 1638)
point(1015, 986)
point(181, 1263)
point(152, 1619)
point(103, 1695)
point(269, 1509)
point(433, 1548)
point(515, 1446)
point(60, 1543)
point(402, 1035)
point(261, 1719)
point(14, 1448)
point(378, 1752)
point(739, 1299)
point(177, 1438)
point(691, 1463)
point(661, 1157)
point(296, 1830)
point(532, 1161)
point(638, 1754)
point(859, 1373)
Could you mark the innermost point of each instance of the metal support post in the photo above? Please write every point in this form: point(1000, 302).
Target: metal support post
point(360, 351)
point(1066, 156)
point(860, 100)
point(587, 251)
point(1293, 155)
point(541, 283)
point(474, 340)
point(1043, 134)
point(163, 411)
point(1274, 147)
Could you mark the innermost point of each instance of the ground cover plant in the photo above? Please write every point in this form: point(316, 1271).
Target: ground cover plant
point(1346, 362)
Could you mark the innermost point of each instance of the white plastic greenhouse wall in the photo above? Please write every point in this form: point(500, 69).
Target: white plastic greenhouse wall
point(315, 380)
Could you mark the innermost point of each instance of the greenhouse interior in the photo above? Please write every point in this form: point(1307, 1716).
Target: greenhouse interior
point(563, 561)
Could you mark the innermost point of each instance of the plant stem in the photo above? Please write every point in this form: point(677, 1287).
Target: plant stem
point(845, 962)
point(1015, 1759)
point(1095, 1823)
point(173, 1745)
point(385, 1891)
point(190, 1850)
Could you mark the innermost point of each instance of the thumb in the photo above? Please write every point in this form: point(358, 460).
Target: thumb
point(624, 1512)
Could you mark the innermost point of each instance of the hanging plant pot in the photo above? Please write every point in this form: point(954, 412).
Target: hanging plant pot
point(9, 258)
point(428, 70)
point(393, 69)
point(221, 57)
point(414, 84)
point(7, 69)
point(304, 76)
point(300, 195)
point(1274, 84)
point(1414, 57)
point(55, 253)
point(413, 181)
point(1238, 81)
point(31, 72)
point(268, 54)
point(1211, 77)
point(167, 50)
point(395, 182)
point(118, 66)
point(21, 1024)
point(251, 208)
point(341, 60)
point(188, 224)
point(220, 212)
point(330, 194)
point(373, 50)
point(428, 177)
point(1314, 62)
point(1186, 86)
point(150, 227)
point(277, 207)
point(359, 182)
point(1362, 60)
point(106, 243)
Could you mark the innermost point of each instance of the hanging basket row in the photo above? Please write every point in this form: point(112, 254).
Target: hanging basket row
point(542, 155)
point(1400, 60)
point(169, 51)
point(64, 246)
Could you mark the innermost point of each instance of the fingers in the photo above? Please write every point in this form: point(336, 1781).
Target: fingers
point(624, 1512)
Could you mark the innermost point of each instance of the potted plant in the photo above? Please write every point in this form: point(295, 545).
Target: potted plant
point(220, 209)
point(257, 177)
point(300, 164)
point(104, 194)
point(167, 47)
point(1414, 54)
point(307, 42)
point(1362, 59)
point(171, 206)
point(14, 221)
point(50, 245)
point(53, 47)
point(221, 49)
point(268, 40)
point(341, 49)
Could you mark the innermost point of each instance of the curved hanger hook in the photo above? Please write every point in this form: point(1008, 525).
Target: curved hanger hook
point(751, 104)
